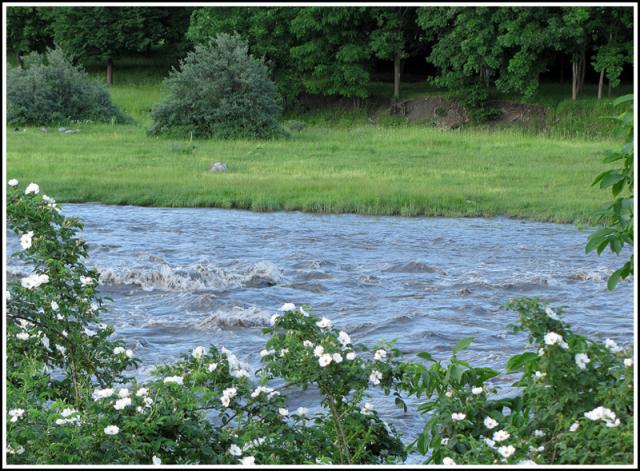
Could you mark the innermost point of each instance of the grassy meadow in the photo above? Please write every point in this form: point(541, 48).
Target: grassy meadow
point(340, 162)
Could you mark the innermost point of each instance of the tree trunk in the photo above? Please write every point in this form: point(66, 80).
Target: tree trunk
point(109, 72)
point(396, 77)
point(19, 60)
point(600, 84)
point(574, 79)
point(583, 63)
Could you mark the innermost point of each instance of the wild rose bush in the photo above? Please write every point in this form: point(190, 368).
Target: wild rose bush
point(573, 401)
point(70, 400)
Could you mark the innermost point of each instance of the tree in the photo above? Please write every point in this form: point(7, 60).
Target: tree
point(395, 36)
point(268, 34)
point(105, 34)
point(332, 50)
point(28, 30)
point(615, 34)
point(220, 91)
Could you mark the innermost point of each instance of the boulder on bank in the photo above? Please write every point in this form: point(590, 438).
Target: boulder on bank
point(218, 167)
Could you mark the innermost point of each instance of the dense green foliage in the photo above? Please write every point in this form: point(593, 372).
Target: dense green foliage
point(51, 90)
point(617, 215)
point(29, 29)
point(220, 90)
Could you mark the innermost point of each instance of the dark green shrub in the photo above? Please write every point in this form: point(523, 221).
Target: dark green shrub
point(51, 90)
point(219, 91)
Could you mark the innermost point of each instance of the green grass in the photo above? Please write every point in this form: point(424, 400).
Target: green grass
point(340, 162)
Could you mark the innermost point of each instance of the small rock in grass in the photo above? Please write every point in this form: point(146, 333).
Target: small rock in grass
point(72, 131)
point(218, 167)
point(61, 129)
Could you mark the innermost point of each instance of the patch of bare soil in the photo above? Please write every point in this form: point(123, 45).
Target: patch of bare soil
point(440, 112)
point(524, 114)
point(435, 110)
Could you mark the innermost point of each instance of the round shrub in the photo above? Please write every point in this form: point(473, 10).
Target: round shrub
point(51, 90)
point(220, 91)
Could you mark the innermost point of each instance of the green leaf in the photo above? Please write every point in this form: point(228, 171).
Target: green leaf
point(613, 279)
point(462, 344)
point(426, 356)
point(517, 362)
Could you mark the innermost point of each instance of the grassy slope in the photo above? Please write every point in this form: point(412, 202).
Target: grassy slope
point(351, 167)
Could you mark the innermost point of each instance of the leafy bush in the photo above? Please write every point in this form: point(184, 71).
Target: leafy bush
point(573, 402)
point(617, 215)
point(219, 91)
point(51, 90)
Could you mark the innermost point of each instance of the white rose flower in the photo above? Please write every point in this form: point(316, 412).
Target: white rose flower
point(118, 350)
point(48, 199)
point(101, 393)
point(123, 392)
point(16, 414)
point(198, 352)
point(628, 362)
point(551, 313)
point(351, 356)
point(155, 460)
point(302, 411)
point(325, 360)
point(490, 423)
point(111, 430)
point(86, 280)
point(129, 353)
point(574, 426)
point(490, 443)
point(248, 461)
point(283, 412)
point(477, 390)
point(539, 375)
point(54, 306)
point(26, 240)
point(286, 307)
point(458, 416)
point(367, 409)
point(32, 188)
point(538, 433)
point(22, 336)
point(501, 435)
point(506, 451)
point(337, 358)
point(344, 338)
point(375, 377)
point(122, 403)
point(13, 182)
point(448, 461)
point(235, 450)
point(444, 442)
point(318, 351)
point(551, 338)
point(212, 367)
point(324, 323)
point(307, 344)
point(581, 360)
point(380, 355)
point(273, 319)
point(142, 392)
point(89, 332)
point(612, 345)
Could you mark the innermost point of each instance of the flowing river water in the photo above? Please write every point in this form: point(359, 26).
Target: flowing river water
point(181, 278)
